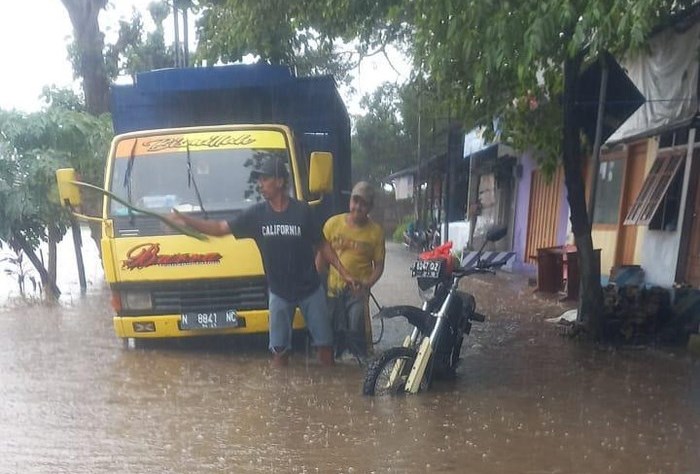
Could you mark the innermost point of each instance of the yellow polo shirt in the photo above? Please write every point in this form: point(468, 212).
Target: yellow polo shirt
point(357, 248)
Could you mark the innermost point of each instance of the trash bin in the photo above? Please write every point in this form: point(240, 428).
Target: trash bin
point(558, 270)
point(550, 269)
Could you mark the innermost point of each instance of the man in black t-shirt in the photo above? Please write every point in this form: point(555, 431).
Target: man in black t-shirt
point(288, 237)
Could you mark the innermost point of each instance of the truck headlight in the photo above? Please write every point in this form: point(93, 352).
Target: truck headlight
point(136, 300)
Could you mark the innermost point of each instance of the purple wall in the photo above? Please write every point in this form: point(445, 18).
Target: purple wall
point(522, 206)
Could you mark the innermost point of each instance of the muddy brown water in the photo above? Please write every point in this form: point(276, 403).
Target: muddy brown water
point(527, 400)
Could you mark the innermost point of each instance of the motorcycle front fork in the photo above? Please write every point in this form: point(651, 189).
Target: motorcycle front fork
point(425, 350)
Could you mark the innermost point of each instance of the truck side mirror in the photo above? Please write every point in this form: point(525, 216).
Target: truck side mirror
point(320, 172)
point(68, 193)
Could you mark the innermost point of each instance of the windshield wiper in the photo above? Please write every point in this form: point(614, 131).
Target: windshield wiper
point(127, 179)
point(191, 181)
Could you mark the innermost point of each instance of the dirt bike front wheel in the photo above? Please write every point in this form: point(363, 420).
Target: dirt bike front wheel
point(387, 375)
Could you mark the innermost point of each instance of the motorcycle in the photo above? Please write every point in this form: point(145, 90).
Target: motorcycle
point(421, 240)
point(416, 240)
point(439, 326)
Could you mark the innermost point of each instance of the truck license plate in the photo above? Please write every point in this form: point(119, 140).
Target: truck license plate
point(211, 320)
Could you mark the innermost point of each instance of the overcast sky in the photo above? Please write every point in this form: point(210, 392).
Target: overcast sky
point(34, 35)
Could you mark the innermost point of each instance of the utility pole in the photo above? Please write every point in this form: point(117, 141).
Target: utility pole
point(185, 36)
point(598, 135)
point(417, 184)
point(176, 20)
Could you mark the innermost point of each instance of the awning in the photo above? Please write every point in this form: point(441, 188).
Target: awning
point(425, 166)
point(622, 98)
point(667, 75)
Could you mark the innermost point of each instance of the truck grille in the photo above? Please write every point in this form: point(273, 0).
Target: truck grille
point(207, 295)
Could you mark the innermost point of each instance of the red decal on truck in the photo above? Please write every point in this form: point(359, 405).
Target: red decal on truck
point(147, 255)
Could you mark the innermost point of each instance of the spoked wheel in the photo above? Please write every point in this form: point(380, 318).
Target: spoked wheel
point(387, 375)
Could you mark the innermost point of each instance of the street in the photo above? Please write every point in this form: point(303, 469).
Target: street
point(527, 400)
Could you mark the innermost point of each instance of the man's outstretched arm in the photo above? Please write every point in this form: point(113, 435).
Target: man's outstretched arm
point(215, 228)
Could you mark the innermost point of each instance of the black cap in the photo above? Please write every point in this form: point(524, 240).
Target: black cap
point(275, 166)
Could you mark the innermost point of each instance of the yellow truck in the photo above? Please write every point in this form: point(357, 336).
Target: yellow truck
point(190, 139)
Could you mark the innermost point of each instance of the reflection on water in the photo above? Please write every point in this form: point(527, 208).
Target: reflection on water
point(526, 401)
point(66, 272)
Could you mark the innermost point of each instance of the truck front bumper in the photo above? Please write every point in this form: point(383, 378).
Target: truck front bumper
point(164, 326)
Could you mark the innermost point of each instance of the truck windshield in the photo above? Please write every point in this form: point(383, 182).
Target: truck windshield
point(166, 180)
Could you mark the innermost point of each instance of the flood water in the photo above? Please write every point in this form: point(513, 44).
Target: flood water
point(526, 400)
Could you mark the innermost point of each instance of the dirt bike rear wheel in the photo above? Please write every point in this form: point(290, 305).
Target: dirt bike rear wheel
point(379, 373)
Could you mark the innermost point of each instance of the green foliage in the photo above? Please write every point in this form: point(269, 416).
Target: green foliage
point(387, 138)
point(492, 58)
point(32, 147)
point(137, 50)
point(381, 143)
point(62, 98)
point(304, 35)
point(18, 268)
point(397, 236)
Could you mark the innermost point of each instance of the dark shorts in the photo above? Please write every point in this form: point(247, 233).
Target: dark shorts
point(348, 316)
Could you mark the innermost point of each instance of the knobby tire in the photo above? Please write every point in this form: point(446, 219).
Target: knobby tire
point(383, 366)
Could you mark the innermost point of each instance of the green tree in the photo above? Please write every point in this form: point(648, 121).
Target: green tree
point(89, 44)
point(314, 37)
point(137, 50)
point(32, 147)
point(382, 144)
point(387, 138)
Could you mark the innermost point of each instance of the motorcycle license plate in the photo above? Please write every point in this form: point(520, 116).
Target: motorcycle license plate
point(426, 268)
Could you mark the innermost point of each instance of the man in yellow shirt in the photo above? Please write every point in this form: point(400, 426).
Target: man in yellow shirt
point(359, 243)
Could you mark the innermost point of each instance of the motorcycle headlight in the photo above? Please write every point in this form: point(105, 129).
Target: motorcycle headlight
point(426, 289)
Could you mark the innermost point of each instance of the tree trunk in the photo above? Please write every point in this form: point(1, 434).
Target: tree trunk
point(89, 44)
point(52, 291)
point(53, 239)
point(591, 303)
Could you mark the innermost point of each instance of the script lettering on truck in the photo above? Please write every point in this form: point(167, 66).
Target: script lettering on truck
point(148, 255)
point(201, 141)
point(212, 141)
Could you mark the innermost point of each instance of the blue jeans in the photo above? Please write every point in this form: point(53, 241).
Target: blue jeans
point(315, 312)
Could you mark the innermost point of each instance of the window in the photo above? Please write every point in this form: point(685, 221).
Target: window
point(666, 216)
point(607, 198)
point(659, 199)
point(675, 138)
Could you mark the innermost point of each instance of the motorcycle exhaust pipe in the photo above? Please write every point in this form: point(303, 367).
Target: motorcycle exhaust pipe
point(478, 317)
